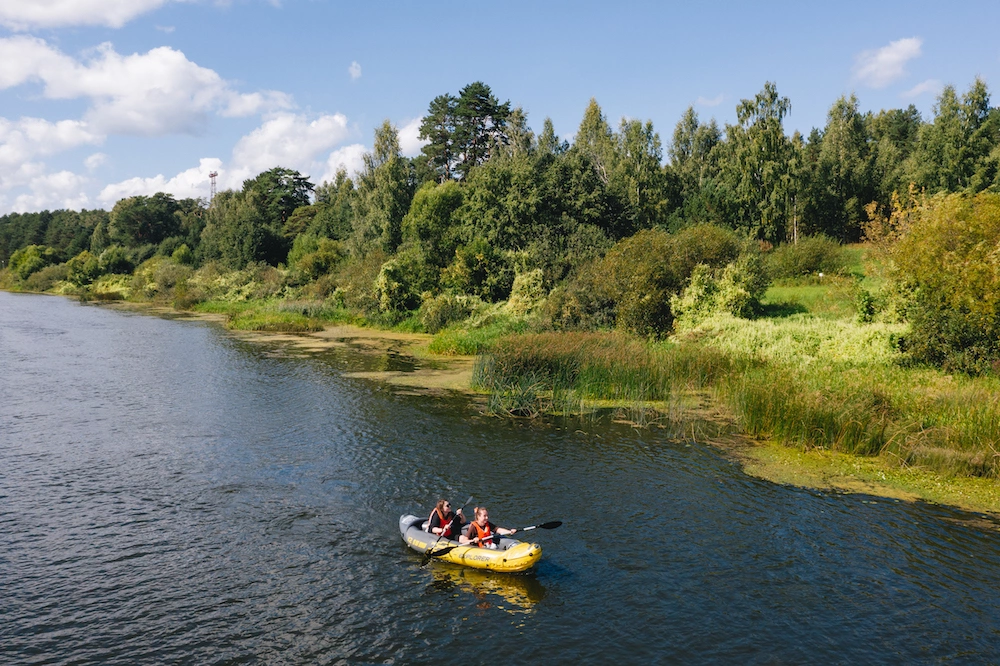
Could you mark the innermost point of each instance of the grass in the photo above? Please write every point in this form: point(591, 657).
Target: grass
point(809, 377)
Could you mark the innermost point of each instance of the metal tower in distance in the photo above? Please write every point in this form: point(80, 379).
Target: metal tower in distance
point(212, 176)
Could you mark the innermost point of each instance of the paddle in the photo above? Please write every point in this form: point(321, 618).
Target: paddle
point(430, 553)
point(551, 525)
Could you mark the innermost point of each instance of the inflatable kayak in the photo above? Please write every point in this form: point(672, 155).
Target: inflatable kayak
point(510, 555)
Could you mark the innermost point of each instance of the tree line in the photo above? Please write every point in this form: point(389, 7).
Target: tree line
point(489, 199)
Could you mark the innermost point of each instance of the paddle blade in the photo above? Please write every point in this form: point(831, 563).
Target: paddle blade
point(544, 526)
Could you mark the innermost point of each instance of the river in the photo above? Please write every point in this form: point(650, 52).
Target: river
point(170, 494)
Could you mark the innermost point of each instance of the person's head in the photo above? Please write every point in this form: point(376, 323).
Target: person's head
point(482, 515)
point(444, 506)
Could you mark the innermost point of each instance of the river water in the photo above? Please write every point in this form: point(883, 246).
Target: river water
point(172, 495)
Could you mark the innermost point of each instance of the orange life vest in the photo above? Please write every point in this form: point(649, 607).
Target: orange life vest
point(445, 524)
point(482, 532)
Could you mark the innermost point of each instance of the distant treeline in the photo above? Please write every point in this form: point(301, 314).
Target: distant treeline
point(596, 223)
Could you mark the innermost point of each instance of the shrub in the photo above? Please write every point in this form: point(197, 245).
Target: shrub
point(31, 259)
point(401, 281)
point(83, 269)
point(527, 293)
point(438, 312)
point(356, 279)
point(481, 270)
point(183, 255)
point(811, 255)
point(115, 260)
point(47, 278)
point(946, 260)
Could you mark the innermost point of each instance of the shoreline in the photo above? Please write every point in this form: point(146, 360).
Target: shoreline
point(771, 461)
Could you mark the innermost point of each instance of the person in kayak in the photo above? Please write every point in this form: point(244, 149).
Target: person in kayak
point(444, 522)
point(482, 531)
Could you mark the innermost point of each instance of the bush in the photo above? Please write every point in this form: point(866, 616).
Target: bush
point(401, 281)
point(438, 312)
point(31, 259)
point(946, 260)
point(115, 260)
point(83, 269)
point(481, 270)
point(646, 270)
point(47, 278)
point(314, 257)
point(183, 255)
point(527, 293)
point(735, 289)
point(811, 255)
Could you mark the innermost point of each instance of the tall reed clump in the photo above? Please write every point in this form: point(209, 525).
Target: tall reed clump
point(568, 368)
point(916, 418)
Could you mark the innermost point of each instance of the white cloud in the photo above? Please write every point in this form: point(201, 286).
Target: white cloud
point(193, 183)
point(26, 14)
point(350, 158)
point(63, 189)
point(354, 70)
point(95, 161)
point(28, 138)
point(410, 142)
point(285, 139)
point(883, 66)
point(166, 28)
point(932, 86)
point(714, 101)
point(156, 93)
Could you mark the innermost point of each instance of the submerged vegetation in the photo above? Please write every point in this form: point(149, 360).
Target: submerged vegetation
point(834, 292)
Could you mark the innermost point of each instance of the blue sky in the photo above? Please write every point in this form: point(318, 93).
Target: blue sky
point(101, 99)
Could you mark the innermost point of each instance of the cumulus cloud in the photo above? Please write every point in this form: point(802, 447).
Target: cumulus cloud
point(883, 66)
point(354, 70)
point(24, 140)
point(63, 189)
point(714, 101)
point(410, 142)
point(27, 14)
point(193, 183)
point(289, 140)
point(932, 86)
point(155, 93)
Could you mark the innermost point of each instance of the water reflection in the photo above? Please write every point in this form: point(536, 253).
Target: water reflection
point(515, 593)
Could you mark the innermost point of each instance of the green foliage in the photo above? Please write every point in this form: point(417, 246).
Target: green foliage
point(183, 255)
point(440, 311)
point(756, 163)
point(47, 278)
point(32, 259)
point(142, 220)
point(279, 192)
point(527, 292)
point(334, 206)
point(431, 221)
point(946, 260)
point(479, 269)
point(810, 256)
point(314, 257)
point(385, 190)
point(643, 272)
point(401, 281)
point(115, 260)
point(83, 269)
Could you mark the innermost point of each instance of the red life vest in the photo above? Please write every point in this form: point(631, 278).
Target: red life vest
point(482, 532)
point(445, 524)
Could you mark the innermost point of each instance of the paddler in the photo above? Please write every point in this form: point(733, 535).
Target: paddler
point(444, 522)
point(482, 531)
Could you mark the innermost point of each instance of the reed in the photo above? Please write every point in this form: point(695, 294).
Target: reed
point(272, 321)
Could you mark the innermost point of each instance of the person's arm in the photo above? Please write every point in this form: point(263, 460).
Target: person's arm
point(434, 526)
